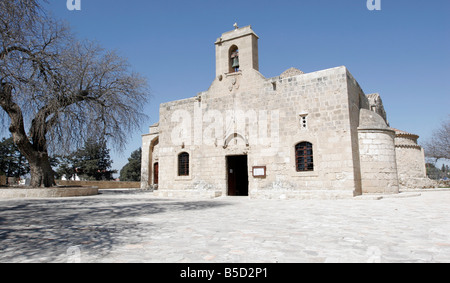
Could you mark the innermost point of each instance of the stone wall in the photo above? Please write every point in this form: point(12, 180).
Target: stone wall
point(377, 154)
point(244, 113)
point(356, 101)
point(150, 145)
point(13, 193)
point(378, 162)
point(411, 162)
point(246, 41)
point(101, 184)
point(262, 118)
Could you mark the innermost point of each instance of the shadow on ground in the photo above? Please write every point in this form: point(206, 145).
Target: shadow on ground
point(47, 230)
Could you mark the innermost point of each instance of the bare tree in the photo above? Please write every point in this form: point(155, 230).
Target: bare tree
point(438, 147)
point(62, 90)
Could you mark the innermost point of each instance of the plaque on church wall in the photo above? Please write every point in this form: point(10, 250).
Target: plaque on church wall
point(259, 171)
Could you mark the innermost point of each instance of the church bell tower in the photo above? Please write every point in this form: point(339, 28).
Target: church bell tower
point(237, 51)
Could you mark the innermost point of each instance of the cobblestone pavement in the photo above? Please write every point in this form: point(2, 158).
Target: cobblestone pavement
point(140, 228)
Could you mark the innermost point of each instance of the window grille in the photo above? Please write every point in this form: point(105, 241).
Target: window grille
point(304, 157)
point(183, 164)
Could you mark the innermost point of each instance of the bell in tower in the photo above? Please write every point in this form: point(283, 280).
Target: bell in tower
point(235, 60)
point(237, 50)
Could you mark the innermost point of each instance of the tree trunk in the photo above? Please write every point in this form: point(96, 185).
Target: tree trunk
point(36, 153)
point(42, 174)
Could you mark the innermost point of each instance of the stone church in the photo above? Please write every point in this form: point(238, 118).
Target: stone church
point(297, 135)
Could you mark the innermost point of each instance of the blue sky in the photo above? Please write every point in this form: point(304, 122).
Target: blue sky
point(401, 52)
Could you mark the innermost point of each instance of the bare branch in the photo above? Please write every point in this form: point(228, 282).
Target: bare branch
point(438, 147)
point(62, 90)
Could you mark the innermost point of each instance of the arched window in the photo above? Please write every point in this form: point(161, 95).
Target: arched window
point(304, 159)
point(183, 164)
point(234, 59)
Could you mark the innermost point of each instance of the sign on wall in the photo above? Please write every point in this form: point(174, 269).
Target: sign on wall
point(259, 171)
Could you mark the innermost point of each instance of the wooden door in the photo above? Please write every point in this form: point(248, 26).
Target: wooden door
point(155, 173)
point(237, 175)
point(231, 178)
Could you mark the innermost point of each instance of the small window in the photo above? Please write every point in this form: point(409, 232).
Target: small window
point(304, 157)
point(304, 121)
point(183, 164)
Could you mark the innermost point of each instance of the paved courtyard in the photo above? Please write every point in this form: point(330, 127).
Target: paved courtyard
point(136, 227)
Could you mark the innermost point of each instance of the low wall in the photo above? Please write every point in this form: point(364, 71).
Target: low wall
point(101, 184)
point(2, 180)
point(47, 193)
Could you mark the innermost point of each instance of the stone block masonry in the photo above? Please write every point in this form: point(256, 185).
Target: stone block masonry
point(317, 135)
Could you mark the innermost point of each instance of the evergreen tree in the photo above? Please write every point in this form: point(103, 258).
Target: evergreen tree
point(132, 170)
point(92, 162)
point(66, 167)
point(12, 162)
